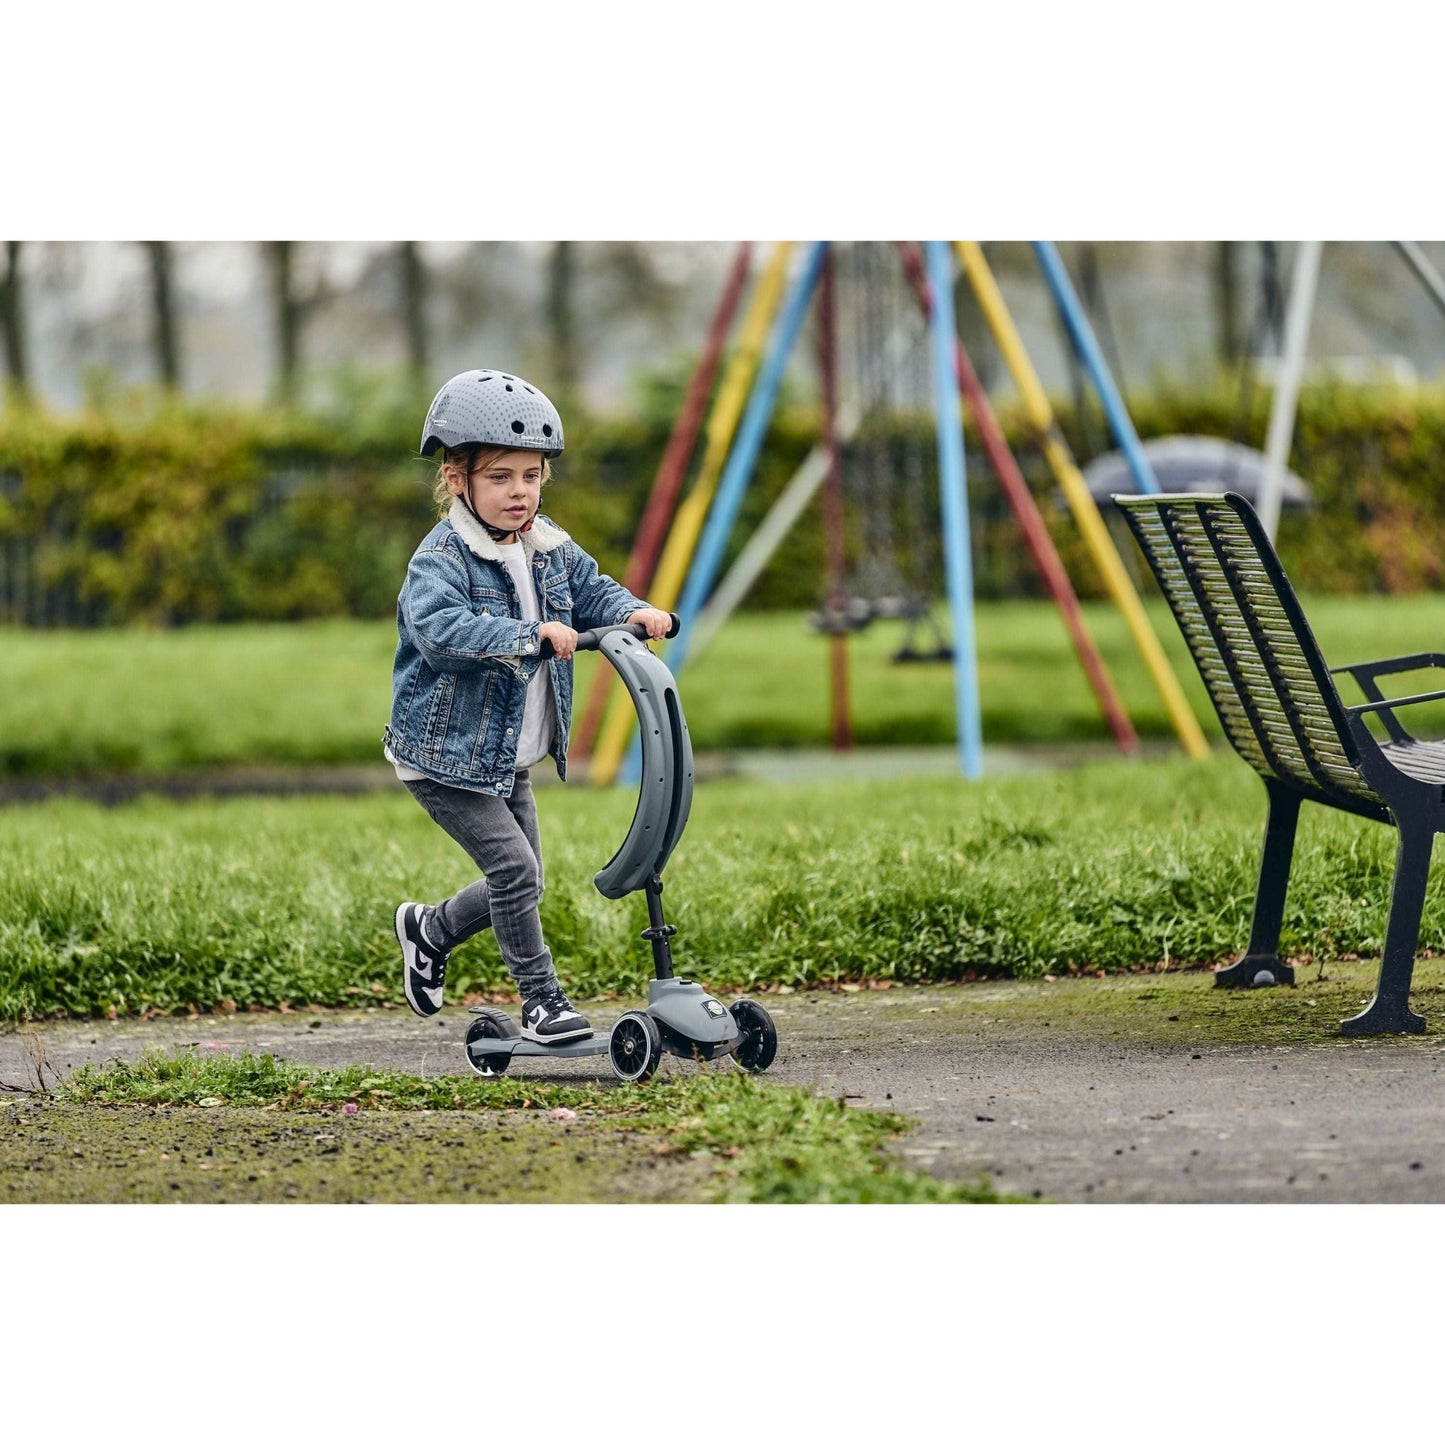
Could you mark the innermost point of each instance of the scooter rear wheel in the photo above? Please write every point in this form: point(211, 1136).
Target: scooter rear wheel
point(493, 1024)
point(634, 1047)
point(758, 1046)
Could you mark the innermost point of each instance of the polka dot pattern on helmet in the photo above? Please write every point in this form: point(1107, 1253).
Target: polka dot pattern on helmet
point(491, 408)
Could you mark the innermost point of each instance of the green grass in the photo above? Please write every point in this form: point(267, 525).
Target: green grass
point(117, 701)
point(319, 692)
point(257, 903)
point(766, 1143)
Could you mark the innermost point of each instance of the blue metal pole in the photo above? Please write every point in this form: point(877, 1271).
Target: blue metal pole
point(953, 485)
point(1082, 335)
point(737, 472)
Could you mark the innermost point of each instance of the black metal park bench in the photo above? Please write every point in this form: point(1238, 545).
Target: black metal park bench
point(1284, 716)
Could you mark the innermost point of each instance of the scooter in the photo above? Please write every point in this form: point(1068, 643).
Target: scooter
point(681, 1017)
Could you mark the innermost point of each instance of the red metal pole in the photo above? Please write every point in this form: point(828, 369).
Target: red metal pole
point(1040, 544)
point(661, 503)
point(833, 527)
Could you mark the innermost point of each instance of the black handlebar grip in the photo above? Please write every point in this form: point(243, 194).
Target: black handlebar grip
point(588, 641)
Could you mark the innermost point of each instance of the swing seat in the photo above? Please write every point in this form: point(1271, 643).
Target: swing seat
point(853, 614)
point(1283, 714)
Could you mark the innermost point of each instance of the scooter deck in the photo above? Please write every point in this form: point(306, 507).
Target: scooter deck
point(599, 1041)
point(567, 1049)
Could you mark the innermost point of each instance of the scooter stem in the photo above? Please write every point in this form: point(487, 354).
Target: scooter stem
point(660, 931)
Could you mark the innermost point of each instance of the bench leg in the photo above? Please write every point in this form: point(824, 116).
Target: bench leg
point(1261, 964)
point(1389, 1011)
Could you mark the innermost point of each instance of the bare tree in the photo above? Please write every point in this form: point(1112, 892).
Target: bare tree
point(290, 307)
point(286, 314)
point(413, 302)
point(595, 287)
point(1226, 304)
point(12, 322)
point(561, 320)
point(164, 313)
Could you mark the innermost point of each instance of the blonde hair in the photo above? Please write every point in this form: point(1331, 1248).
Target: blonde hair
point(468, 460)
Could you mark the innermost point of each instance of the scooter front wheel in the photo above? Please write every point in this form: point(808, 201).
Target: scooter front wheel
point(758, 1046)
point(634, 1047)
point(493, 1024)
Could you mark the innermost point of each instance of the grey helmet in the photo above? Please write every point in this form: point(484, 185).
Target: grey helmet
point(491, 409)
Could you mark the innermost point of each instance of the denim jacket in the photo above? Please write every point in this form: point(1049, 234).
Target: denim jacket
point(464, 657)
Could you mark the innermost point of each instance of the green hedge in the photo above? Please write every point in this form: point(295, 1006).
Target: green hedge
point(1375, 461)
point(168, 512)
point(186, 513)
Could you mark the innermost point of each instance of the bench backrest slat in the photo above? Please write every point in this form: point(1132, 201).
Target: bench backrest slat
point(1248, 636)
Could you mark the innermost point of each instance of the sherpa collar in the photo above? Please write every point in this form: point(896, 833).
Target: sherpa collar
point(545, 536)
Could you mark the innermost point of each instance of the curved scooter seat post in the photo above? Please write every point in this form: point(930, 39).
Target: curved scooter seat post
point(665, 796)
point(681, 1017)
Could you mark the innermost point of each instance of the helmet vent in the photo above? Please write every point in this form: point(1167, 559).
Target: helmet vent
point(518, 427)
point(509, 388)
point(546, 430)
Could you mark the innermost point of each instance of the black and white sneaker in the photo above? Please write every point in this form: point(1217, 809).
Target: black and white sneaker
point(423, 966)
point(549, 1018)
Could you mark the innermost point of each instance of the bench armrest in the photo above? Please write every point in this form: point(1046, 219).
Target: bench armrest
point(1397, 733)
point(1365, 673)
point(1411, 662)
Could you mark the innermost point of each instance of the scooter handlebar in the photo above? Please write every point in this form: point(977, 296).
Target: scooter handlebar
point(589, 641)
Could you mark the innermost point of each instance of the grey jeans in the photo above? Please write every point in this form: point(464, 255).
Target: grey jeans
point(500, 836)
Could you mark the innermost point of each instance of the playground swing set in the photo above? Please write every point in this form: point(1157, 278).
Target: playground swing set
point(691, 555)
point(678, 551)
point(885, 480)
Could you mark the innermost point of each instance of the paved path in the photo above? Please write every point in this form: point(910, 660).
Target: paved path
point(1065, 1113)
point(1090, 1120)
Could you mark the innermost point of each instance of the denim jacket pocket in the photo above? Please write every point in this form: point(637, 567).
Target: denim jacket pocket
point(558, 595)
point(438, 715)
point(489, 727)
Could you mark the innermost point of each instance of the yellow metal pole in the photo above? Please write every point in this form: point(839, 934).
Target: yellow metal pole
point(1086, 512)
point(667, 581)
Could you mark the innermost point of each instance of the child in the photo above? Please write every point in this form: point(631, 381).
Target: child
point(474, 705)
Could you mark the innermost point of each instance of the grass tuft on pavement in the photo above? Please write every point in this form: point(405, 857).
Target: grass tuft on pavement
point(762, 1142)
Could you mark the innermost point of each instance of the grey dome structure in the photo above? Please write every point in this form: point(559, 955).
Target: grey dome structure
point(1193, 464)
point(492, 409)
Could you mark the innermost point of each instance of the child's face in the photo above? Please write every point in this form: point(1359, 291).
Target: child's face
point(505, 489)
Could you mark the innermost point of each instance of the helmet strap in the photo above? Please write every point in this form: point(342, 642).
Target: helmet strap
point(497, 533)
